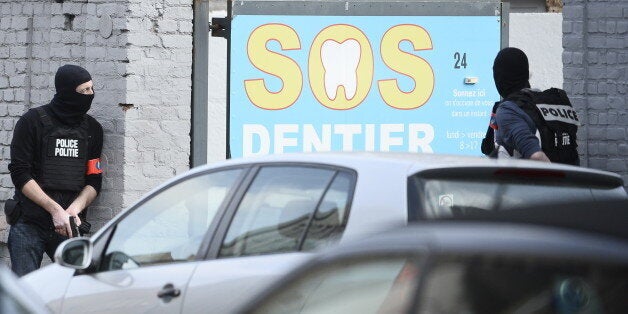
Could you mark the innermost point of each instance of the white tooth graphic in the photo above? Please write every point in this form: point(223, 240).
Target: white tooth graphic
point(340, 62)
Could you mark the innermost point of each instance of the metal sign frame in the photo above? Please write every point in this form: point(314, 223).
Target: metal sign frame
point(357, 8)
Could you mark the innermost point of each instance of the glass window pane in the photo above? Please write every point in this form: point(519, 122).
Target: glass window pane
point(384, 285)
point(275, 210)
point(458, 197)
point(331, 216)
point(170, 226)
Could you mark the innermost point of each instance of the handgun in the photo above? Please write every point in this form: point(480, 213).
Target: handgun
point(74, 227)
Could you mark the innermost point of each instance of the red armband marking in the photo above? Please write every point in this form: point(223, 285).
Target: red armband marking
point(493, 123)
point(93, 166)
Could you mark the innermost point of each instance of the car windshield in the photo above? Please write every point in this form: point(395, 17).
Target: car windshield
point(361, 285)
point(526, 284)
point(456, 197)
point(451, 283)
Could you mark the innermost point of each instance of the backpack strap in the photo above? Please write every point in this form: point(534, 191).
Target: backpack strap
point(44, 117)
point(85, 123)
point(488, 142)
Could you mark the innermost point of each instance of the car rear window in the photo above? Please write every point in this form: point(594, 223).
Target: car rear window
point(432, 197)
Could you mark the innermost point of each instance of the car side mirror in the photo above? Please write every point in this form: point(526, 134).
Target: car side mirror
point(74, 253)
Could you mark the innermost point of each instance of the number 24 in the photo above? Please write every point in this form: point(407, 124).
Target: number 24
point(460, 61)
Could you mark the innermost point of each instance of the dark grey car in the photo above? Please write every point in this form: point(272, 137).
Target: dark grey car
point(460, 267)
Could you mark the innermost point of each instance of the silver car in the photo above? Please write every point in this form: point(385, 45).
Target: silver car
point(15, 297)
point(208, 239)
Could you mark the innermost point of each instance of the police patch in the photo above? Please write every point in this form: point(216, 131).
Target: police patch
point(560, 113)
point(65, 147)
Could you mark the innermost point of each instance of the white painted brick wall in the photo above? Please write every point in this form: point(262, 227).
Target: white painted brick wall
point(160, 84)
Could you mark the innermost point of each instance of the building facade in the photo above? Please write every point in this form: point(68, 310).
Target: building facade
point(139, 53)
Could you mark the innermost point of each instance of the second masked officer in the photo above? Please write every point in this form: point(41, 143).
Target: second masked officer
point(55, 167)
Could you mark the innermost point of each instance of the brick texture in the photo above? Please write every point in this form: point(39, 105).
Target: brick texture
point(138, 52)
point(596, 31)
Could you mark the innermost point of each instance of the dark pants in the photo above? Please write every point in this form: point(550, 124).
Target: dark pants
point(27, 244)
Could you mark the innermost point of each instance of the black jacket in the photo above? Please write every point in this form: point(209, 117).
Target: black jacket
point(26, 160)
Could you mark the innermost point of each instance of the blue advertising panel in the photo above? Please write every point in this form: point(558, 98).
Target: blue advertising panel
point(361, 83)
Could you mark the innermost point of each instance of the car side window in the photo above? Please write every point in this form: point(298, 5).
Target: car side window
point(170, 226)
point(331, 217)
point(287, 209)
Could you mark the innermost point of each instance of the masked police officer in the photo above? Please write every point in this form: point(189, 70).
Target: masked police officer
point(55, 167)
point(529, 123)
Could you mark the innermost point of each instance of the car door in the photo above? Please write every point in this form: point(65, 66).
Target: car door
point(150, 253)
point(286, 210)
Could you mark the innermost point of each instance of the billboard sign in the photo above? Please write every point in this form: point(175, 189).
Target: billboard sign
point(414, 83)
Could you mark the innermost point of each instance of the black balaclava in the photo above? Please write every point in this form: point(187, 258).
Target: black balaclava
point(510, 71)
point(69, 105)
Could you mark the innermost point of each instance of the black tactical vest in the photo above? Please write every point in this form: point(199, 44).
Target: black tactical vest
point(556, 121)
point(64, 154)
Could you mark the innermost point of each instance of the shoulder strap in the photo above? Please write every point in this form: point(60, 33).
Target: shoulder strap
point(488, 142)
point(43, 116)
point(85, 123)
point(523, 98)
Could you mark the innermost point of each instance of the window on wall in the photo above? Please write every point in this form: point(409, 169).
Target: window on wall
point(287, 209)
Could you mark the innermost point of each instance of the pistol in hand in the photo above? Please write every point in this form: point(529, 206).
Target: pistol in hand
point(74, 227)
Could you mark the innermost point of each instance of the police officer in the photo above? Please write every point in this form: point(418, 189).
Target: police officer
point(529, 123)
point(55, 167)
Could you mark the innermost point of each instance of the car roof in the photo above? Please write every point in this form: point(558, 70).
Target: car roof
point(463, 237)
point(439, 166)
point(414, 162)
